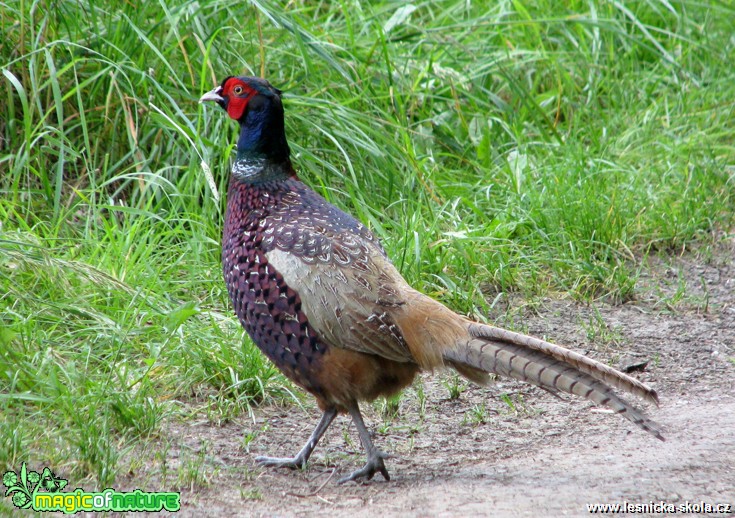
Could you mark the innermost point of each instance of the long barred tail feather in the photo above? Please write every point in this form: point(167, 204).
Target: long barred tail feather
point(553, 368)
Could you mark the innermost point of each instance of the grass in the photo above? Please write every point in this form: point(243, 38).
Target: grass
point(493, 146)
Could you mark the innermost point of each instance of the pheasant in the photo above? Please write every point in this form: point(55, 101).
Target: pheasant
point(316, 292)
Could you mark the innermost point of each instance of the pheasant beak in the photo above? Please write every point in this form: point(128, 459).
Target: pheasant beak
point(213, 95)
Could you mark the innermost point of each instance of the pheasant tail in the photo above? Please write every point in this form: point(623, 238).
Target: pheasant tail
point(475, 349)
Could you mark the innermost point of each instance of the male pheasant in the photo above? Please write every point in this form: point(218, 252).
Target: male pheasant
point(316, 292)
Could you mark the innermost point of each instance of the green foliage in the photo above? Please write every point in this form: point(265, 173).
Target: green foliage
point(454, 385)
point(476, 415)
point(493, 146)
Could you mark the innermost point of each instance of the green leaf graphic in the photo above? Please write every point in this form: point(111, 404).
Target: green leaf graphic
point(51, 483)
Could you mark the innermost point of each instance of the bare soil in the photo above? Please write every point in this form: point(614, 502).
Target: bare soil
point(509, 449)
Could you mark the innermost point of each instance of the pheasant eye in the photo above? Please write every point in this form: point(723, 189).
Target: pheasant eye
point(237, 90)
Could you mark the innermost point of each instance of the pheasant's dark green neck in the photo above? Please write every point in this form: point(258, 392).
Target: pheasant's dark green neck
point(262, 149)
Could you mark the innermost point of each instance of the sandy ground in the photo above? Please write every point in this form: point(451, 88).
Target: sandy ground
point(509, 449)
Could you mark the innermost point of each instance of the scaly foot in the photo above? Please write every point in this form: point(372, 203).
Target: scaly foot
point(299, 461)
point(374, 465)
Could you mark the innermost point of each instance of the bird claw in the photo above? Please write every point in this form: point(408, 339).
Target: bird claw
point(374, 465)
point(280, 462)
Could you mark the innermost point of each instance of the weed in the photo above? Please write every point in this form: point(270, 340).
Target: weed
point(252, 493)
point(516, 404)
point(476, 415)
point(248, 438)
point(454, 384)
point(194, 471)
point(599, 332)
point(421, 397)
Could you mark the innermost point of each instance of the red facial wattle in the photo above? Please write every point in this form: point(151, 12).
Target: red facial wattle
point(238, 95)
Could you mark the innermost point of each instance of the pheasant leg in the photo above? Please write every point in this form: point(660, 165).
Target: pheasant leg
point(374, 456)
point(299, 461)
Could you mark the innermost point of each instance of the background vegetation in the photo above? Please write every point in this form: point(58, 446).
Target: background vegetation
point(494, 146)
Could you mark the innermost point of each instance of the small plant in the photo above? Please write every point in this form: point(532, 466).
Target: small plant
point(162, 455)
point(517, 405)
point(421, 397)
point(476, 415)
point(384, 427)
point(455, 385)
point(705, 296)
point(250, 437)
point(673, 301)
point(505, 398)
point(411, 444)
point(222, 409)
point(347, 438)
point(598, 331)
point(252, 493)
point(192, 471)
point(389, 407)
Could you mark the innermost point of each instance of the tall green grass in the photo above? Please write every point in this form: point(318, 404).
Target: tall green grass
point(493, 146)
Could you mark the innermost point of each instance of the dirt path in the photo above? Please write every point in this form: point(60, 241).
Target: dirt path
point(532, 454)
point(562, 477)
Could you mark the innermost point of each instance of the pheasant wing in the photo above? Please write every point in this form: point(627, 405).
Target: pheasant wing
point(349, 289)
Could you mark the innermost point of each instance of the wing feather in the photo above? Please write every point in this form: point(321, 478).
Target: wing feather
point(349, 296)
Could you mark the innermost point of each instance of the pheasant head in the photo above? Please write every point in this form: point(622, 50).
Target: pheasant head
point(256, 106)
